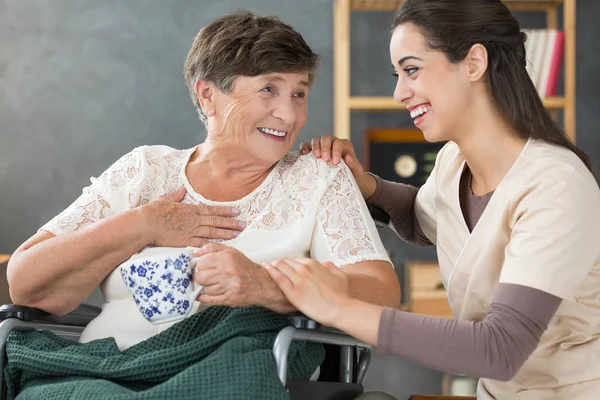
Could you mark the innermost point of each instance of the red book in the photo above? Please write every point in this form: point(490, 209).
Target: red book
point(555, 64)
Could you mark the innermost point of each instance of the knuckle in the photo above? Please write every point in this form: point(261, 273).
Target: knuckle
point(209, 247)
point(212, 231)
point(236, 284)
point(207, 300)
point(302, 269)
point(209, 210)
point(201, 209)
point(229, 257)
point(223, 211)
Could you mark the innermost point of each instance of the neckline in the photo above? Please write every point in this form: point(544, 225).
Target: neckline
point(471, 234)
point(492, 194)
point(199, 197)
point(473, 196)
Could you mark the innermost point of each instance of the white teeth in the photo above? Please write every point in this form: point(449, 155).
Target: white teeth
point(419, 111)
point(272, 132)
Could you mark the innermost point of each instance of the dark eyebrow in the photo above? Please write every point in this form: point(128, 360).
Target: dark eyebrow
point(404, 59)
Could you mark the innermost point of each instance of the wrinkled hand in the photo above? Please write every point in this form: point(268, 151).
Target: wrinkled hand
point(318, 290)
point(170, 223)
point(330, 147)
point(228, 276)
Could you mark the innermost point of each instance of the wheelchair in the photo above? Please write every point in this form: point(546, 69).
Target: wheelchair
point(354, 356)
point(343, 371)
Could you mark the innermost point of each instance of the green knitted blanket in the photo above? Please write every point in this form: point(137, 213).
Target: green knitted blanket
point(220, 353)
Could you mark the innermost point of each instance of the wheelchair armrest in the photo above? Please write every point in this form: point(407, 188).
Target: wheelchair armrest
point(300, 327)
point(301, 321)
point(81, 316)
point(21, 318)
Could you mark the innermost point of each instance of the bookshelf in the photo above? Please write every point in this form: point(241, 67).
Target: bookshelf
point(344, 103)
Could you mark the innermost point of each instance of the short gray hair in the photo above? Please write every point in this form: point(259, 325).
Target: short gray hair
point(244, 44)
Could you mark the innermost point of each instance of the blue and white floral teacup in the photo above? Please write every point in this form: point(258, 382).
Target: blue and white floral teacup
point(161, 282)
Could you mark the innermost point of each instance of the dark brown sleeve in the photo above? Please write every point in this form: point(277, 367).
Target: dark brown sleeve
point(495, 348)
point(398, 201)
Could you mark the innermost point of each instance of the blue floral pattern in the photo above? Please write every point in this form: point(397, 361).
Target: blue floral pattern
point(160, 288)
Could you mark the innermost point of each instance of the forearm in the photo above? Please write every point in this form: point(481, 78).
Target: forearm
point(368, 281)
point(398, 201)
point(374, 290)
point(358, 319)
point(360, 313)
point(269, 295)
point(495, 347)
point(57, 274)
point(447, 345)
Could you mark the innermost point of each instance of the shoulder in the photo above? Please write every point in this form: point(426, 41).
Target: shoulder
point(549, 177)
point(143, 159)
point(316, 168)
point(545, 167)
point(549, 159)
point(162, 152)
point(156, 159)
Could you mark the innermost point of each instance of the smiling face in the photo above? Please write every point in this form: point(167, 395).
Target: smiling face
point(437, 93)
point(262, 115)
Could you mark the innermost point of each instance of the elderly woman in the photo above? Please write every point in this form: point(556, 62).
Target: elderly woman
point(241, 189)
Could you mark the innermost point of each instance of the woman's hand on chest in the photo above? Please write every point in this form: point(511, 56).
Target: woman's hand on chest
point(171, 223)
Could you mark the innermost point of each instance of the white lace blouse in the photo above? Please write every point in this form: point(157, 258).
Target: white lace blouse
point(304, 208)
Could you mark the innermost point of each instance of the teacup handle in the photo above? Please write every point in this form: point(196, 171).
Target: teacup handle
point(197, 292)
point(200, 288)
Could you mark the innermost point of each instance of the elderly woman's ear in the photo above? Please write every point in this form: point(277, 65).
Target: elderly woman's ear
point(205, 92)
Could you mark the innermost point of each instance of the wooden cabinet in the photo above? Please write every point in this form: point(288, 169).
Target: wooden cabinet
point(425, 292)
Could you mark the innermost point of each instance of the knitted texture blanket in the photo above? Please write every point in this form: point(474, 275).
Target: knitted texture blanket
point(220, 353)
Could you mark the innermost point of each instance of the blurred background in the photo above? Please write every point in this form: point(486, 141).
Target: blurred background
point(82, 82)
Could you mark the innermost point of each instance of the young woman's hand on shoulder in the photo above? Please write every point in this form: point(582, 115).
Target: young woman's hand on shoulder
point(330, 148)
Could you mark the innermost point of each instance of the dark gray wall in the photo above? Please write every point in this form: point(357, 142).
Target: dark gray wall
point(82, 82)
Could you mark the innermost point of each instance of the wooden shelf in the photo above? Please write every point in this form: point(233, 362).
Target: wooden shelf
point(392, 5)
point(388, 103)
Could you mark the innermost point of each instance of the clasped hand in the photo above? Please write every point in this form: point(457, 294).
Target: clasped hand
point(228, 276)
point(232, 279)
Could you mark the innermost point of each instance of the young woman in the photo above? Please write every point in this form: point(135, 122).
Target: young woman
point(511, 206)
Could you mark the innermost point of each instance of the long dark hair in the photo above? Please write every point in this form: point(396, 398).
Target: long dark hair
point(454, 26)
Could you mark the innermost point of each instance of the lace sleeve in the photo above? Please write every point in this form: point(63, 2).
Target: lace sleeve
point(344, 231)
point(107, 195)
